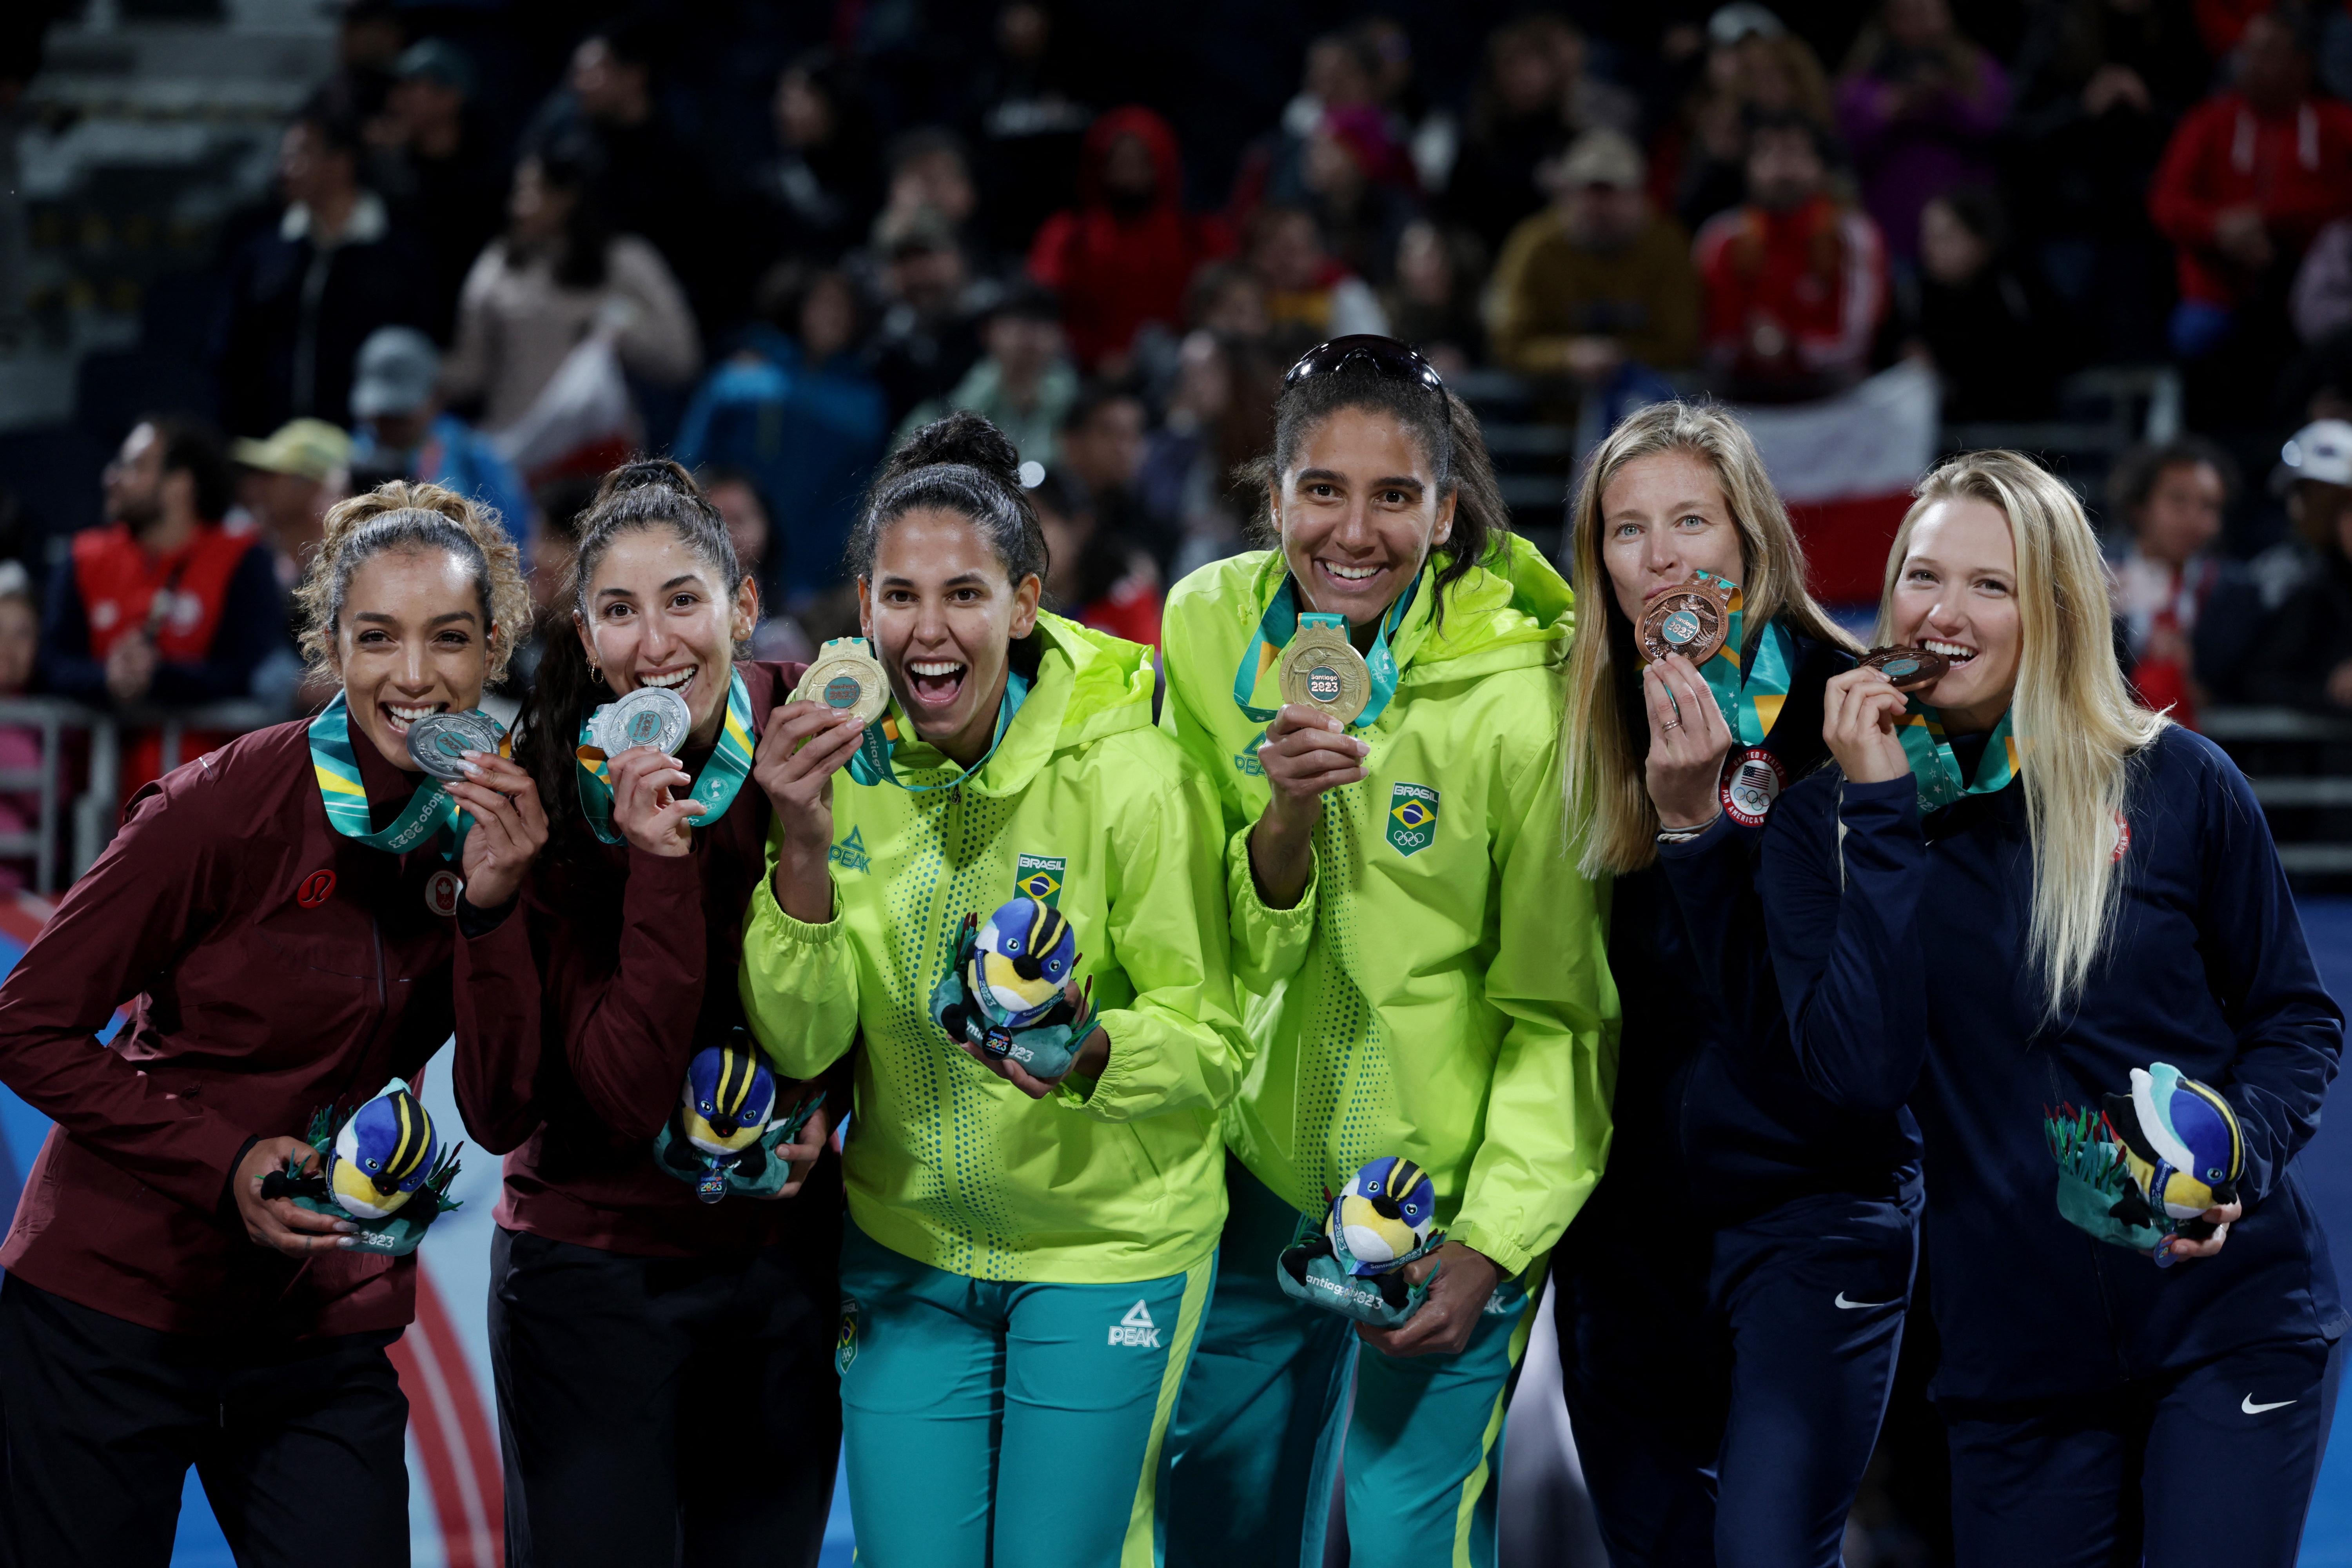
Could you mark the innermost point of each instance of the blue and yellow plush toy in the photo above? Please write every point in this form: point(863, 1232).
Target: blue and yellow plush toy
point(376, 1162)
point(2144, 1174)
point(1385, 1217)
point(1007, 989)
point(724, 1130)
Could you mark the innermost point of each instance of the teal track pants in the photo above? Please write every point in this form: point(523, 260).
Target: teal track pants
point(1265, 1419)
point(996, 1424)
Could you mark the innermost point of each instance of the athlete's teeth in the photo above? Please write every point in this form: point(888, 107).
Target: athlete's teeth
point(680, 678)
point(935, 668)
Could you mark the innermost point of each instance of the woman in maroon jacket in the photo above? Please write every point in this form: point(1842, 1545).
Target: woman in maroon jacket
point(276, 958)
point(664, 1366)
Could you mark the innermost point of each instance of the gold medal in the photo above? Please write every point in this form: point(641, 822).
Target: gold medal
point(846, 676)
point(1690, 620)
point(1321, 669)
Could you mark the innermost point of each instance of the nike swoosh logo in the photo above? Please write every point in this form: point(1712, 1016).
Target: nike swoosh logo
point(2251, 1408)
point(1854, 1306)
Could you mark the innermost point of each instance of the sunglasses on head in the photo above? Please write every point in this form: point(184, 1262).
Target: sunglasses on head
point(1384, 357)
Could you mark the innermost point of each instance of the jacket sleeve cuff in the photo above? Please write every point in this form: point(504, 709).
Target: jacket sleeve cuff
point(1506, 1251)
point(1707, 843)
point(770, 916)
point(1270, 944)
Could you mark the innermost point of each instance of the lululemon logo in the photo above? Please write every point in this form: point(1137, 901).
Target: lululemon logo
point(316, 888)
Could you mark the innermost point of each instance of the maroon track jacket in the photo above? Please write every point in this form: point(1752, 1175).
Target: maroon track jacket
point(272, 967)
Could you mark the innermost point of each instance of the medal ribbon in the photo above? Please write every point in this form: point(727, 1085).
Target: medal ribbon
point(871, 764)
point(428, 811)
point(1937, 771)
point(1750, 700)
point(722, 776)
point(1280, 624)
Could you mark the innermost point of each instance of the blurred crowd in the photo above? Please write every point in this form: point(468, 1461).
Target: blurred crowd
point(774, 276)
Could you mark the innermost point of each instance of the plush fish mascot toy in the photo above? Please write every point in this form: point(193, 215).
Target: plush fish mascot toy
point(376, 1164)
point(1385, 1217)
point(1007, 990)
point(725, 1129)
point(2142, 1173)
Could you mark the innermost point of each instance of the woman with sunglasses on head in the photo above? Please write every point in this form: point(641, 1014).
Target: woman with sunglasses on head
point(2055, 923)
point(279, 918)
point(1423, 968)
point(1004, 888)
point(661, 1348)
point(1731, 1300)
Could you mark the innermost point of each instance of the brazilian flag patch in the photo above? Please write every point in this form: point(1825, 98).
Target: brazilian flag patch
point(1413, 817)
point(844, 1345)
point(1040, 876)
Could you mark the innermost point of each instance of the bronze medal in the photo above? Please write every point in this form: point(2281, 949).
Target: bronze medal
point(1321, 669)
point(847, 677)
point(1908, 668)
point(1691, 621)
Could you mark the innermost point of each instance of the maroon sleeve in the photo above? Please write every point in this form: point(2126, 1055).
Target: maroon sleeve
point(629, 1036)
point(164, 879)
point(496, 1063)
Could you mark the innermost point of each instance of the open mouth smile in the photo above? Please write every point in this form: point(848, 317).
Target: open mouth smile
point(935, 683)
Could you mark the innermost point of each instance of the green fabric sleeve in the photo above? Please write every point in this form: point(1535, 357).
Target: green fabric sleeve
point(1548, 1118)
point(799, 984)
point(1177, 1043)
point(1270, 944)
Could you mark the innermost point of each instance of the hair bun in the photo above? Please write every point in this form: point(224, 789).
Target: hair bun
point(962, 438)
point(649, 473)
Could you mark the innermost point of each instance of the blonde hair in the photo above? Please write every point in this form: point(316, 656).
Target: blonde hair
point(407, 517)
point(2074, 719)
point(1602, 737)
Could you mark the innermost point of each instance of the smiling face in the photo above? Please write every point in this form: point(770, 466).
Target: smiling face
point(942, 618)
point(1359, 512)
point(1957, 596)
point(410, 641)
point(1664, 517)
point(658, 615)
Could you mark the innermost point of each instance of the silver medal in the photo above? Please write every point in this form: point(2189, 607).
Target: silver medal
point(650, 716)
point(439, 742)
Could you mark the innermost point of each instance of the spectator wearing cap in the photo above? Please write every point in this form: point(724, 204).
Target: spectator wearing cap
point(1022, 384)
point(161, 604)
point(1919, 104)
point(1123, 256)
point(302, 296)
point(2305, 657)
point(557, 275)
point(290, 481)
point(2185, 617)
point(1596, 280)
point(1795, 282)
point(796, 411)
point(1986, 324)
point(404, 432)
point(440, 178)
point(2249, 178)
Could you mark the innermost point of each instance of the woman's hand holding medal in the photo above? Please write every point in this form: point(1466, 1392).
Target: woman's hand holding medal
point(650, 815)
point(1863, 711)
point(803, 746)
point(1688, 740)
point(509, 827)
point(1305, 752)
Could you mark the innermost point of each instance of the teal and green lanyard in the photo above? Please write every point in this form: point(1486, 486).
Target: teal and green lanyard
point(871, 764)
point(1937, 771)
point(1750, 699)
point(1280, 624)
point(428, 811)
point(722, 776)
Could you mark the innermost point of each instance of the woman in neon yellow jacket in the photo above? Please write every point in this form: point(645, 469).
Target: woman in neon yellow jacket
point(1030, 1254)
point(1423, 968)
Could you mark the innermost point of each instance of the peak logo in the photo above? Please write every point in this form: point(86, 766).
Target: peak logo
point(850, 853)
point(1137, 1329)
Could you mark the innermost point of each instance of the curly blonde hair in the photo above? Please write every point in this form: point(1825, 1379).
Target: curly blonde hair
point(410, 518)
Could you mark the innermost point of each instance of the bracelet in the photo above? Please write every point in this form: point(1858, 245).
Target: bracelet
point(1685, 835)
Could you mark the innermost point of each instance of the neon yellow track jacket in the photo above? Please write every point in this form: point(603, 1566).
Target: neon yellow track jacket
point(1442, 990)
point(1087, 803)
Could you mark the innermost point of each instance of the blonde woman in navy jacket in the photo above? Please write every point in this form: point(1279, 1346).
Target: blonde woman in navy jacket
point(2064, 889)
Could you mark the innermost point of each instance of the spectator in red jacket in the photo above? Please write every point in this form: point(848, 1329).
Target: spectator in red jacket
point(2249, 178)
point(1124, 255)
point(1795, 282)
